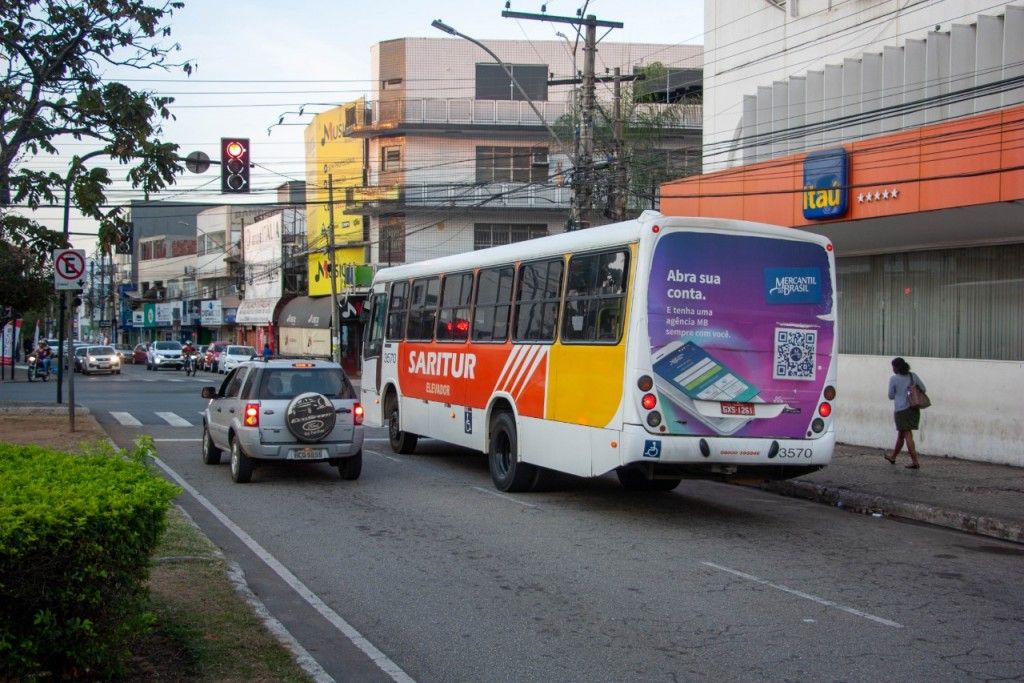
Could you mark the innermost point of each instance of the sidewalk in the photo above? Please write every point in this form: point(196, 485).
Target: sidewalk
point(976, 497)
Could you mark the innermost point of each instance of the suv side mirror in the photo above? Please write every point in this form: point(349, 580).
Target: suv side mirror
point(209, 392)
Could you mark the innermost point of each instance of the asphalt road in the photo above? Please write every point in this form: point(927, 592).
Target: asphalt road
point(422, 570)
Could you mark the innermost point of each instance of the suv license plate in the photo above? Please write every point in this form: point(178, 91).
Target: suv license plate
point(307, 454)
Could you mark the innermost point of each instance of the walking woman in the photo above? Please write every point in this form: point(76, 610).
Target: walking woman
point(907, 419)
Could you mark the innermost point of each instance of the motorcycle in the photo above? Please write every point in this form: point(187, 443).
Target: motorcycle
point(191, 363)
point(37, 370)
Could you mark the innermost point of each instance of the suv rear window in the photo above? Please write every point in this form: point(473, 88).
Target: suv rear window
point(281, 383)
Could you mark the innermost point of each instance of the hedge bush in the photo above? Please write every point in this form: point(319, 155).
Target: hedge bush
point(76, 535)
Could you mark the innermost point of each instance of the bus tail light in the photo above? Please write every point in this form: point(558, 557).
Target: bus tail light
point(645, 383)
point(830, 393)
point(357, 414)
point(817, 426)
point(251, 415)
point(649, 401)
point(654, 418)
point(824, 409)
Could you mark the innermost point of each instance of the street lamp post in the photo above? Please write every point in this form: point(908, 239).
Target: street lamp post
point(438, 24)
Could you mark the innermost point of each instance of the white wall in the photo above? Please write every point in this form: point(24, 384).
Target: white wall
point(750, 43)
point(976, 411)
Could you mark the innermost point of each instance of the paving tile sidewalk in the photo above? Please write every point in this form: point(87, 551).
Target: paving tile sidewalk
point(975, 497)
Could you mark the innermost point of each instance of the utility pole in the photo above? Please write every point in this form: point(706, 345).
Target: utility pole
point(335, 332)
point(619, 184)
point(583, 164)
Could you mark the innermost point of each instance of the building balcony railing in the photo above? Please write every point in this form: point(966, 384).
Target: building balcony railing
point(427, 196)
point(391, 114)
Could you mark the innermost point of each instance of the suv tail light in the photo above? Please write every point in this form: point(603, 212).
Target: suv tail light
point(357, 414)
point(251, 415)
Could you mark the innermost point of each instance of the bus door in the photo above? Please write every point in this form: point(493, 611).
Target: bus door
point(373, 338)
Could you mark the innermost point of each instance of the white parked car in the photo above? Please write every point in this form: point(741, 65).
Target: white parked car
point(233, 355)
point(164, 354)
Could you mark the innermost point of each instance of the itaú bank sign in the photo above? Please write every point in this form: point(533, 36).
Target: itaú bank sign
point(825, 186)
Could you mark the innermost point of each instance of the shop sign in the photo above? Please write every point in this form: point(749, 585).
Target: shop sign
point(211, 314)
point(826, 184)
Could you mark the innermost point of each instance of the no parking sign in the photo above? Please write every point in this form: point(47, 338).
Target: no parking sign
point(68, 268)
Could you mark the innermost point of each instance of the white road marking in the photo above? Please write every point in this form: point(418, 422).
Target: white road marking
point(376, 656)
point(177, 439)
point(502, 495)
point(801, 594)
point(389, 457)
point(125, 419)
point(367, 438)
point(174, 420)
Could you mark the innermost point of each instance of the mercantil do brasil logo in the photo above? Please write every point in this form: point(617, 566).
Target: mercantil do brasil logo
point(826, 187)
point(792, 285)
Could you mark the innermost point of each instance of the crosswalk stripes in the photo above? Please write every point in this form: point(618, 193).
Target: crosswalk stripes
point(128, 420)
point(125, 419)
point(174, 420)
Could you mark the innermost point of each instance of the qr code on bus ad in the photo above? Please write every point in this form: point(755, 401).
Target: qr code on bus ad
point(794, 353)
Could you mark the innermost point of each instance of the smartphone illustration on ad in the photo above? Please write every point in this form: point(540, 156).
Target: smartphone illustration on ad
point(695, 380)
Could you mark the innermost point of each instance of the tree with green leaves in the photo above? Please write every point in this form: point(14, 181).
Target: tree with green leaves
point(55, 56)
point(659, 141)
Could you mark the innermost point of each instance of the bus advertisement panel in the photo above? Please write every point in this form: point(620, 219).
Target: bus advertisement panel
point(741, 331)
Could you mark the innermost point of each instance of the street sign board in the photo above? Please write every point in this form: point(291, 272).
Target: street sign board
point(68, 268)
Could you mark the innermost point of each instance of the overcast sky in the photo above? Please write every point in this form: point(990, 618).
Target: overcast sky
point(283, 55)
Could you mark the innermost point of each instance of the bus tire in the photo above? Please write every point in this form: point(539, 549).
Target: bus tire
point(508, 473)
point(401, 442)
point(632, 479)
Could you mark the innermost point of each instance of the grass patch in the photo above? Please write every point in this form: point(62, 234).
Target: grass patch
point(204, 631)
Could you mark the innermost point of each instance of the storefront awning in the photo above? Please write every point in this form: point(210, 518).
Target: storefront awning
point(256, 311)
point(305, 311)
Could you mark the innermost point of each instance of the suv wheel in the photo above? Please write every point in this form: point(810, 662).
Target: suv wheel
point(211, 454)
point(241, 464)
point(349, 468)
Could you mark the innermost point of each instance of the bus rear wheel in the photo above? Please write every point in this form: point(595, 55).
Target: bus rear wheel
point(508, 473)
point(401, 442)
point(633, 479)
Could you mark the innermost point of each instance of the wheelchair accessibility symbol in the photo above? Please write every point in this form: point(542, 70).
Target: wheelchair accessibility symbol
point(652, 448)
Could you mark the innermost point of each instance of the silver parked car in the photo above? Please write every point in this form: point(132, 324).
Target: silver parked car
point(284, 410)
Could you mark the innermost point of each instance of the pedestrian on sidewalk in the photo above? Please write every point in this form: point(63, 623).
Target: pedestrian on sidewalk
point(907, 418)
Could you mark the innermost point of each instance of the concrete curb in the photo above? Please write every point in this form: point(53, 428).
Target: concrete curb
point(56, 411)
point(866, 503)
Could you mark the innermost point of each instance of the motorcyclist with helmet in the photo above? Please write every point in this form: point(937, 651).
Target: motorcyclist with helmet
point(44, 355)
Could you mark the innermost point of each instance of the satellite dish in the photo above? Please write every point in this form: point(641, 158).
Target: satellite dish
point(197, 162)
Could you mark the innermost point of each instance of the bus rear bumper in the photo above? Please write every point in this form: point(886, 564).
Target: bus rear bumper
point(725, 458)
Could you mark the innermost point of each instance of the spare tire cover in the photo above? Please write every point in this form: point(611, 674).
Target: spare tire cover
point(310, 417)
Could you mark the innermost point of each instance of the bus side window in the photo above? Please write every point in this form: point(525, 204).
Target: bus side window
point(540, 289)
point(423, 308)
point(595, 297)
point(453, 322)
point(397, 310)
point(493, 304)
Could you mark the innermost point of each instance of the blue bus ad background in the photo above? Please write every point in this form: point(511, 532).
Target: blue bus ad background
point(754, 305)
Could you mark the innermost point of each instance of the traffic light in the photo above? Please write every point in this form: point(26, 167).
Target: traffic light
point(124, 239)
point(234, 165)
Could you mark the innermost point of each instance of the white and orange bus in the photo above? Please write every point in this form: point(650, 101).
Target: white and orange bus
point(661, 348)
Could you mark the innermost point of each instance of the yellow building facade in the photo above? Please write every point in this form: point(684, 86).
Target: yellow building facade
point(334, 166)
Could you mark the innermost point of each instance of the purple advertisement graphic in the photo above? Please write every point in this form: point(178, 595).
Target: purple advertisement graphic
point(738, 341)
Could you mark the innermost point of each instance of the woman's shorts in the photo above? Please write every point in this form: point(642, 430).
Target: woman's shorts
point(908, 419)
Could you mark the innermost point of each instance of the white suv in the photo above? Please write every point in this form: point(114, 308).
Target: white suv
point(164, 354)
point(284, 410)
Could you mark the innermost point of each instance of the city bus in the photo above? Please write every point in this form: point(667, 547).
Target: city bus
point(660, 348)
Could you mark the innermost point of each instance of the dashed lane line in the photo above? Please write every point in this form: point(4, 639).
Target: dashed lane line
point(801, 594)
